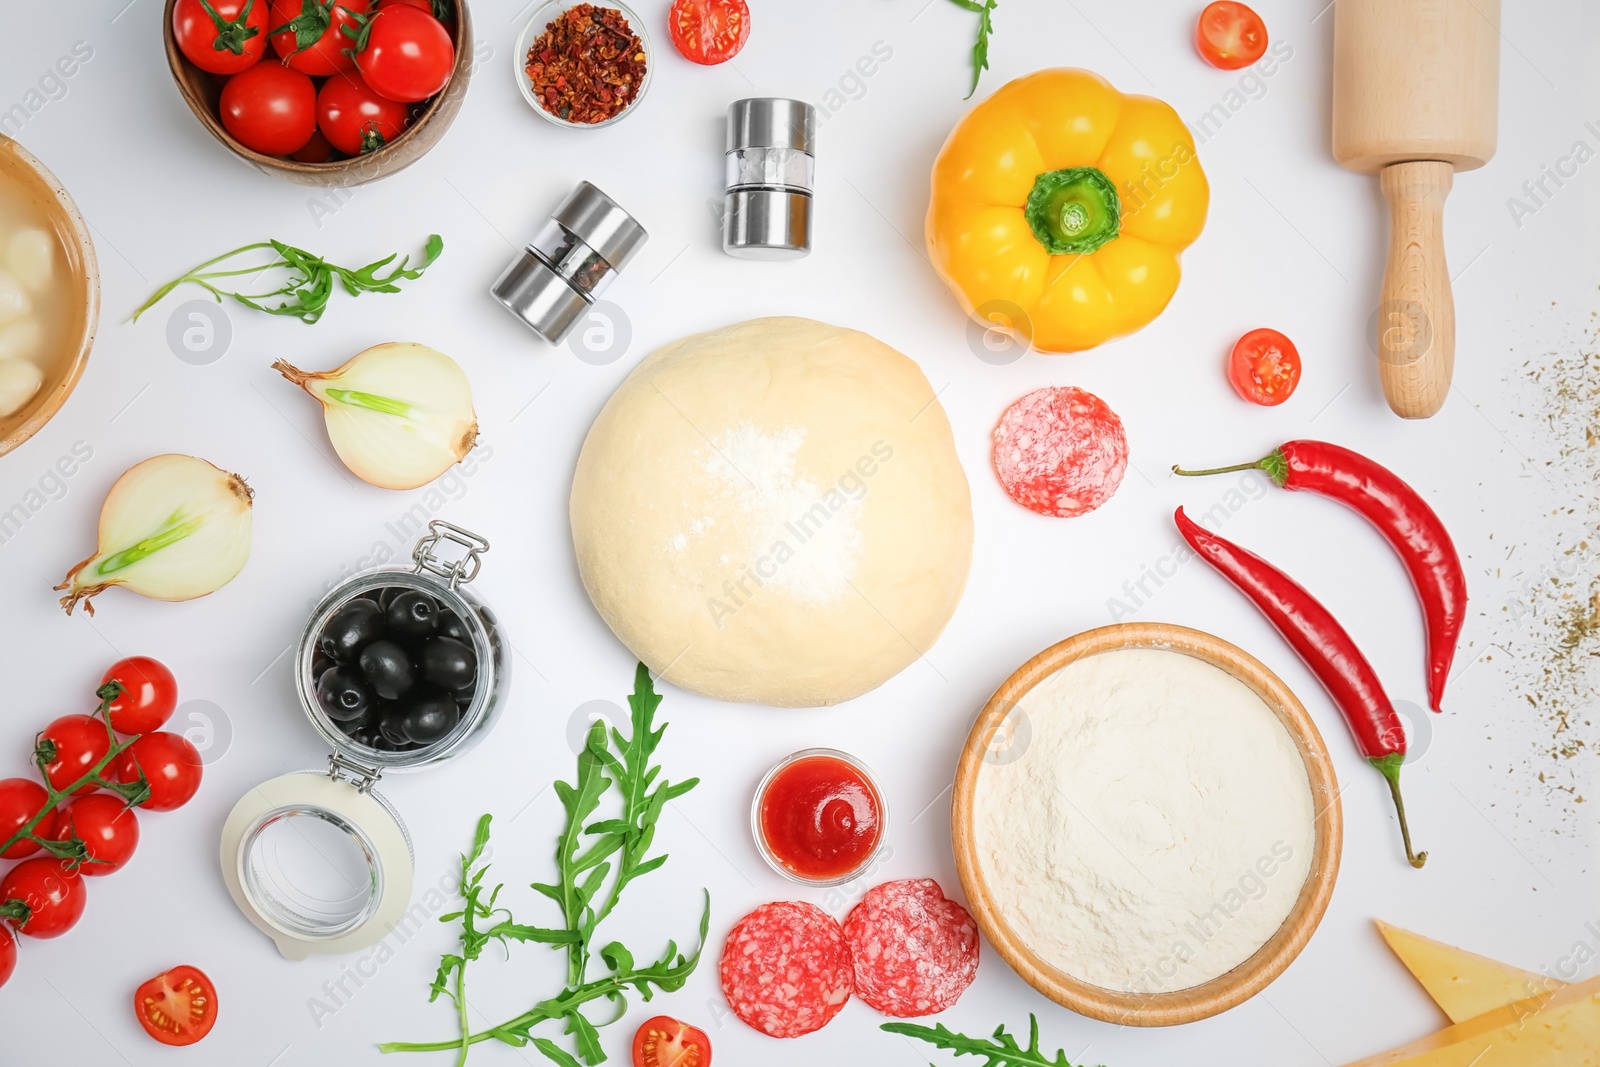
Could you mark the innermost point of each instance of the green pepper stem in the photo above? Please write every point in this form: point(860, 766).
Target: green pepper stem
point(1273, 464)
point(1389, 767)
point(1073, 211)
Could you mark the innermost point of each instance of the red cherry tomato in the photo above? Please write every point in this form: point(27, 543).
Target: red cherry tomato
point(1230, 35)
point(8, 954)
point(316, 150)
point(108, 829)
point(150, 693)
point(315, 43)
point(355, 119)
point(270, 108)
point(405, 54)
point(178, 1007)
point(709, 31)
point(54, 896)
point(665, 1042)
point(420, 5)
point(76, 743)
point(20, 800)
point(170, 763)
point(225, 42)
point(1264, 367)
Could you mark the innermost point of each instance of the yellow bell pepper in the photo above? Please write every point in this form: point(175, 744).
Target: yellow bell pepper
point(1059, 208)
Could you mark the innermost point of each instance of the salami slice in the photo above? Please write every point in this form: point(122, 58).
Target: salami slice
point(1060, 451)
point(786, 969)
point(914, 952)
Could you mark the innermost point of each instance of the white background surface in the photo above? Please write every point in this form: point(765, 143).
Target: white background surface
point(1292, 241)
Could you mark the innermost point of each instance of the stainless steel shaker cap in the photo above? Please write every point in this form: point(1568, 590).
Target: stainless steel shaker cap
point(599, 222)
point(772, 122)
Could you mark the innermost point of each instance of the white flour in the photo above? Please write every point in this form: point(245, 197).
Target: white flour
point(1151, 825)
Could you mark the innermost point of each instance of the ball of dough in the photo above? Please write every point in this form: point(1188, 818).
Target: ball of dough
point(774, 512)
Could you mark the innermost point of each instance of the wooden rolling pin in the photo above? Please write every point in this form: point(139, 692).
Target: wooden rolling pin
point(1416, 87)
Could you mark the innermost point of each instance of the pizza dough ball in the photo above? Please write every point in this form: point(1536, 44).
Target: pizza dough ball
point(774, 512)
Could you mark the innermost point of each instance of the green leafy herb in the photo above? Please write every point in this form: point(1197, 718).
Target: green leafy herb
point(1000, 1051)
point(310, 279)
point(596, 858)
point(980, 49)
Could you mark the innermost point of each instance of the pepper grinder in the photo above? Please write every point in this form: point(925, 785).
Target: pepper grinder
point(586, 241)
point(771, 167)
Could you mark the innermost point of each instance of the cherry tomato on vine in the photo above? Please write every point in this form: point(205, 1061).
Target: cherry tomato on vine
point(1230, 35)
point(709, 31)
point(270, 109)
point(354, 118)
point(309, 34)
point(405, 54)
point(53, 895)
point(226, 42)
point(74, 744)
point(8, 954)
point(20, 800)
point(170, 763)
point(665, 1042)
point(150, 693)
point(1264, 367)
point(178, 1007)
point(108, 829)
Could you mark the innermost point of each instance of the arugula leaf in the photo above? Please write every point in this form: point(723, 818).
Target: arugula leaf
point(1002, 1050)
point(980, 49)
point(309, 282)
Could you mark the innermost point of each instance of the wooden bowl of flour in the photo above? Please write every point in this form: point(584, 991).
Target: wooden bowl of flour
point(993, 747)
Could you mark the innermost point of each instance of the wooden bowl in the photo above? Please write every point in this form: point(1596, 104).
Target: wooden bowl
point(1226, 990)
point(202, 91)
point(18, 164)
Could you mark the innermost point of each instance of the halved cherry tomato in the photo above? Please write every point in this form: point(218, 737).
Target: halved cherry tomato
point(709, 31)
point(178, 1007)
point(405, 54)
point(20, 800)
point(73, 745)
point(1264, 367)
point(226, 39)
point(270, 108)
point(108, 829)
point(8, 954)
point(42, 897)
point(665, 1042)
point(354, 118)
point(1230, 35)
point(150, 693)
point(170, 763)
point(309, 34)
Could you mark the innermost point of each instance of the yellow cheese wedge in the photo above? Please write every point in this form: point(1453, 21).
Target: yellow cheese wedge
point(1559, 1029)
point(1463, 984)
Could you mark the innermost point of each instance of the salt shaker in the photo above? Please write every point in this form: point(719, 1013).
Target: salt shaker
point(586, 241)
point(771, 167)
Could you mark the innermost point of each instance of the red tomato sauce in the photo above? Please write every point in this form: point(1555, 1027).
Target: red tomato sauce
point(820, 817)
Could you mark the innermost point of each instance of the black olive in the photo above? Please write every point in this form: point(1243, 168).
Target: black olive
point(366, 736)
point(385, 595)
point(388, 669)
point(429, 716)
point(391, 720)
point(447, 663)
point(451, 626)
point(319, 663)
point(412, 614)
point(353, 626)
point(343, 694)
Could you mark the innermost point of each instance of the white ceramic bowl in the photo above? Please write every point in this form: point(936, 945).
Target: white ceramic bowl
point(542, 16)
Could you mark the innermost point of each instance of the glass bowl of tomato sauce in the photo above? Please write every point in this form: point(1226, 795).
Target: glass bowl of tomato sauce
point(819, 817)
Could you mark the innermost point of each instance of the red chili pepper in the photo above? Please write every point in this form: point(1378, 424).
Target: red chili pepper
point(1326, 647)
point(1406, 521)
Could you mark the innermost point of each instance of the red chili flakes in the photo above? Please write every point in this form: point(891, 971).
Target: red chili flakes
point(587, 65)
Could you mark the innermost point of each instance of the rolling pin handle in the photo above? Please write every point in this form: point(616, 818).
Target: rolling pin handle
point(1414, 327)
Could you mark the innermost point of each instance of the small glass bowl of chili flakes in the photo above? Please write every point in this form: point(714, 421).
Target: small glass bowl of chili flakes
point(583, 65)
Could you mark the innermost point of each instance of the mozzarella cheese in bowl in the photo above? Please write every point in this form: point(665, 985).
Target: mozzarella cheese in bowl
point(36, 302)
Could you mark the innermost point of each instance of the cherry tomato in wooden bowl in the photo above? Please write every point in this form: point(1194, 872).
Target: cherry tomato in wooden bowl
point(1230, 35)
point(1264, 367)
point(225, 39)
point(270, 108)
point(355, 119)
point(405, 54)
point(108, 829)
point(709, 31)
point(42, 898)
point(309, 36)
point(171, 765)
point(72, 745)
point(150, 694)
point(316, 150)
point(665, 1042)
point(20, 800)
point(178, 1007)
